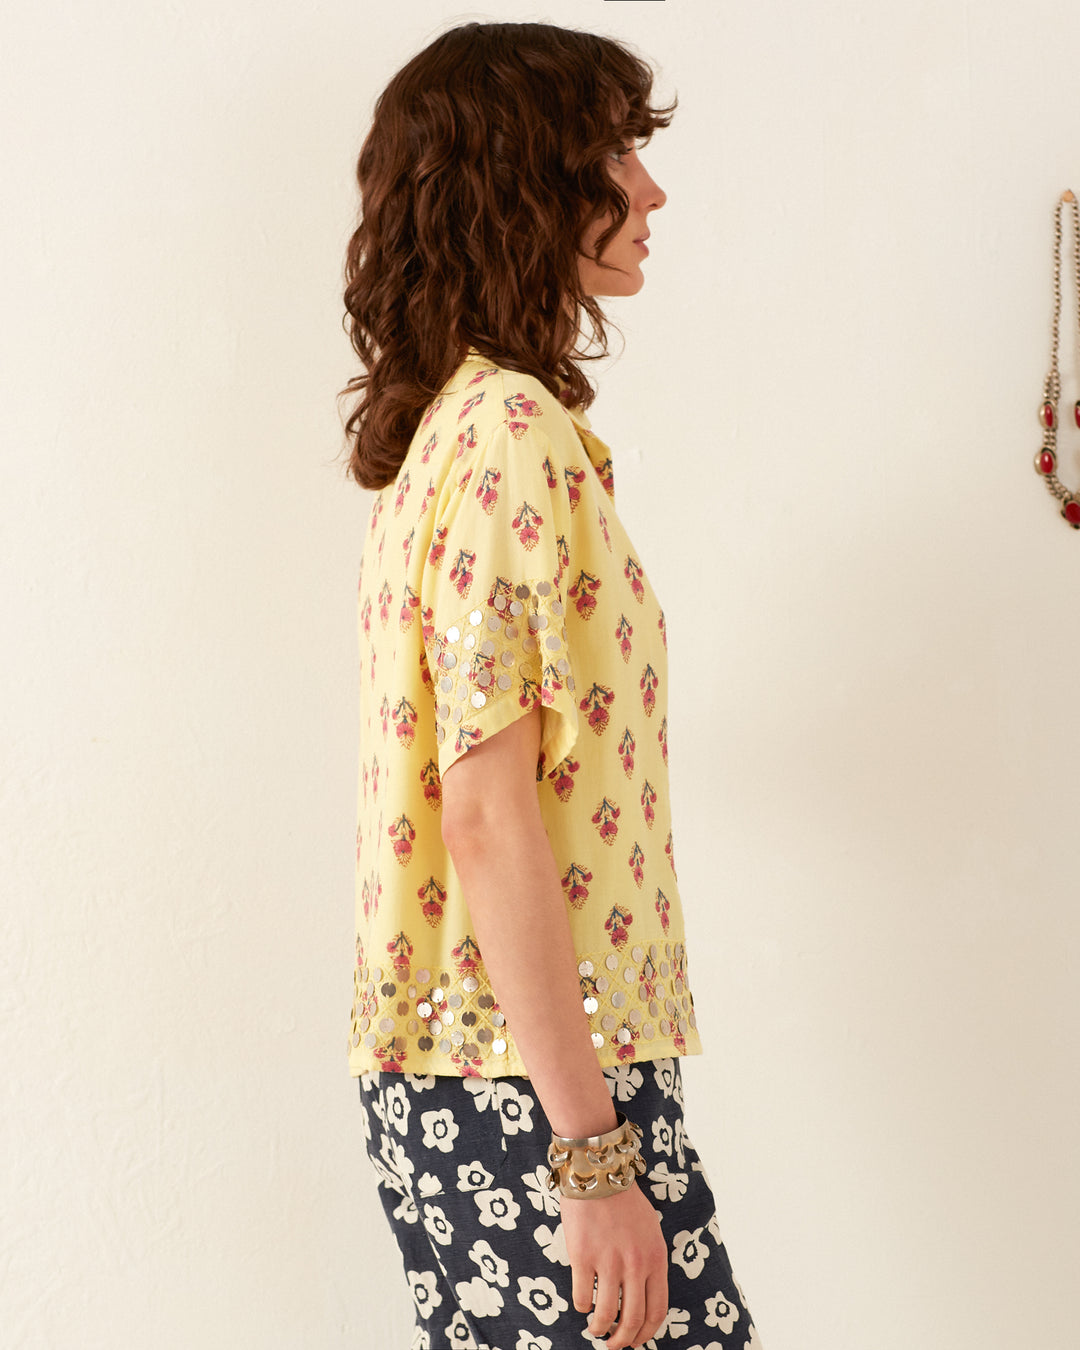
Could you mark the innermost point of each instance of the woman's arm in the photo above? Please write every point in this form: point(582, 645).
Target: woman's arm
point(492, 826)
point(493, 829)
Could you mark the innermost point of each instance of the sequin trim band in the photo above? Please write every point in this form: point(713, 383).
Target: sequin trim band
point(630, 998)
point(515, 643)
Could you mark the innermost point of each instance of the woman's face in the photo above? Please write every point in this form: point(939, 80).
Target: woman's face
point(624, 251)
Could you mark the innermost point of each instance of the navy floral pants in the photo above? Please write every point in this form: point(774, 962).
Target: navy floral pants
point(461, 1166)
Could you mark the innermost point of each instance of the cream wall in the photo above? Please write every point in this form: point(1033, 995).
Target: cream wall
point(872, 608)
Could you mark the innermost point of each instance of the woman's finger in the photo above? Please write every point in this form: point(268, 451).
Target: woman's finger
point(631, 1316)
point(584, 1285)
point(656, 1305)
point(606, 1310)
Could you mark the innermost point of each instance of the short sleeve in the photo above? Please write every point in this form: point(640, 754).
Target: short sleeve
point(491, 597)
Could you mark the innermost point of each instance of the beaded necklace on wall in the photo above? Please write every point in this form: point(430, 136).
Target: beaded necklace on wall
point(1046, 457)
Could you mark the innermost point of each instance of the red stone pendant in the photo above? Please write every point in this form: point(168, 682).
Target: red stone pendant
point(1047, 416)
point(1071, 512)
point(1045, 462)
point(1076, 412)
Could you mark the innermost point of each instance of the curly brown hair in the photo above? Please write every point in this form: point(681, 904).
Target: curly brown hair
point(484, 166)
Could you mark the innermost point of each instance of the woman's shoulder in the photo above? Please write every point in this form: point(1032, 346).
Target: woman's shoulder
point(495, 397)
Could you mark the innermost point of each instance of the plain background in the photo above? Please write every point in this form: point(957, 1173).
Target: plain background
point(823, 421)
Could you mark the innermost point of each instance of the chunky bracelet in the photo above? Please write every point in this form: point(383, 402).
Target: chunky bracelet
point(601, 1165)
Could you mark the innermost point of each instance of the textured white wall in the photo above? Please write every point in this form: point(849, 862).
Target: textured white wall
point(871, 607)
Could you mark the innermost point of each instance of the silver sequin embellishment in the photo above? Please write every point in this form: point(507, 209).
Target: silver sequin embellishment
point(453, 635)
point(591, 1005)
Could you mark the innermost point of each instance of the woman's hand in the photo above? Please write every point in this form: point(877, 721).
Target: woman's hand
point(618, 1243)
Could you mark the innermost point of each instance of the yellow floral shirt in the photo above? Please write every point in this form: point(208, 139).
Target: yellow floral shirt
point(496, 577)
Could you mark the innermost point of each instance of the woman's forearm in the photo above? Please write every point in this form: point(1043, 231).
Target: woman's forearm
point(503, 858)
point(515, 898)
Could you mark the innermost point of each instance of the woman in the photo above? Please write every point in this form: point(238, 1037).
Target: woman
point(520, 983)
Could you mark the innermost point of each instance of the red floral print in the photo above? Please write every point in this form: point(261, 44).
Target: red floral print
point(670, 854)
point(467, 955)
point(633, 573)
point(564, 778)
point(549, 472)
point(463, 481)
point(392, 1059)
point(517, 405)
point(406, 546)
point(365, 617)
point(437, 551)
point(625, 1050)
point(626, 750)
point(384, 713)
point(467, 737)
point(637, 864)
point(662, 907)
point(527, 524)
point(461, 573)
point(624, 630)
point(647, 685)
point(618, 924)
point(663, 629)
point(648, 802)
point(402, 832)
point(502, 586)
point(432, 894)
point(662, 738)
point(604, 818)
point(604, 528)
point(583, 593)
point(410, 602)
point(552, 683)
point(405, 722)
point(487, 494)
point(385, 597)
point(606, 471)
point(466, 441)
point(402, 492)
point(429, 445)
point(575, 883)
point(596, 703)
point(531, 694)
point(574, 478)
point(429, 776)
point(400, 951)
point(470, 404)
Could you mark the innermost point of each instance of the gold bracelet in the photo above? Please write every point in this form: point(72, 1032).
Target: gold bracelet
point(598, 1166)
